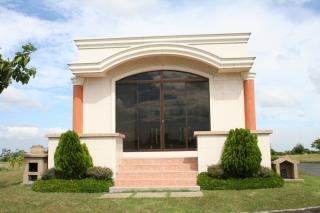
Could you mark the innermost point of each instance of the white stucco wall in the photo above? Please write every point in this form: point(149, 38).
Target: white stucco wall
point(210, 148)
point(105, 151)
point(228, 102)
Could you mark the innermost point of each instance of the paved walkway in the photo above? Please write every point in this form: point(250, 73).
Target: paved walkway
point(151, 195)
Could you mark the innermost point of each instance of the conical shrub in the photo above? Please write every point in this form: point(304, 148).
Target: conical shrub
point(87, 156)
point(241, 156)
point(69, 157)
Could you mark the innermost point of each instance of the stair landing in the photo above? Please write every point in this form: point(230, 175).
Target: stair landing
point(156, 175)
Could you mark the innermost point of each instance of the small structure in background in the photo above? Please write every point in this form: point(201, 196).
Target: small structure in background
point(36, 163)
point(286, 167)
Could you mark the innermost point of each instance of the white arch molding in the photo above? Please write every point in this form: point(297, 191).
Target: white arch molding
point(238, 64)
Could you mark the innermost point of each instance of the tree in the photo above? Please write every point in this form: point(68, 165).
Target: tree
point(316, 144)
point(241, 155)
point(16, 69)
point(298, 149)
point(69, 157)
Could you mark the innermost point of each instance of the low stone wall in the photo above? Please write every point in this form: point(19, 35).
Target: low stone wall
point(211, 143)
point(105, 149)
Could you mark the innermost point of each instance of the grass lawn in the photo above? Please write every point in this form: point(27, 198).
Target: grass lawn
point(306, 158)
point(17, 198)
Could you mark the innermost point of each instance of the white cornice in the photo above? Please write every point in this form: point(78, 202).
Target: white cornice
point(77, 80)
point(93, 43)
point(240, 64)
point(248, 75)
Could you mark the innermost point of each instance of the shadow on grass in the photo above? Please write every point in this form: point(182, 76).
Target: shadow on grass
point(5, 184)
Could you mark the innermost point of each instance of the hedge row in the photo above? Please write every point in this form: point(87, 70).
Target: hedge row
point(89, 185)
point(209, 183)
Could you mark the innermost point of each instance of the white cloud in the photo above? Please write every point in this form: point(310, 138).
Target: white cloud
point(278, 98)
point(12, 98)
point(23, 137)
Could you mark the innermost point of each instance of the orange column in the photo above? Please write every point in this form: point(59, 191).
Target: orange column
point(78, 108)
point(249, 103)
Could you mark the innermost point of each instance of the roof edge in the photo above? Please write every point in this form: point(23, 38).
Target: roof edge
point(96, 42)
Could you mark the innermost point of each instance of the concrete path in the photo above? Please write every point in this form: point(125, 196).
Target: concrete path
point(151, 195)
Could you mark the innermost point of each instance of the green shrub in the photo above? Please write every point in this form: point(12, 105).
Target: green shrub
point(208, 183)
point(264, 172)
point(52, 174)
point(241, 156)
point(88, 185)
point(100, 173)
point(87, 156)
point(215, 171)
point(69, 156)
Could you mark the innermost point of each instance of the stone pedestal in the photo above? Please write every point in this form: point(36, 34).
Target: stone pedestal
point(36, 163)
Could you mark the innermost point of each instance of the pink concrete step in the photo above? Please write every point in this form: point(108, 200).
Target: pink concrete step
point(157, 182)
point(129, 161)
point(156, 175)
point(158, 167)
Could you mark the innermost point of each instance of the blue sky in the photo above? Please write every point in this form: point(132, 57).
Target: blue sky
point(285, 39)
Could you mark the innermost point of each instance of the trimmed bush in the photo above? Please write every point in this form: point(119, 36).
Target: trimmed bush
point(88, 185)
point(208, 183)
point(69, 156)
point(49, 174)
point(100, 173)
point(241, 156)
point(215, 171)
point(87, 156)
point(264, 172)
point(52, 174)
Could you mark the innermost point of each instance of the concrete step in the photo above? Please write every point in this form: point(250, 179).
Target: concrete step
point(155, 182)
point(156, 175)
point(158, 167)
point(139, 161)
point(115, 189)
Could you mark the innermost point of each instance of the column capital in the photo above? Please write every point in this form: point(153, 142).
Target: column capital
point(77, 80)
point(248, 75)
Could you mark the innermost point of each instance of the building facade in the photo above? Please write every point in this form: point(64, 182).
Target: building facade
point(162, 97)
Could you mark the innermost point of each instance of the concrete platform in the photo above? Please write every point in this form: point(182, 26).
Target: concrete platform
point(115, 189)
point(151, 195)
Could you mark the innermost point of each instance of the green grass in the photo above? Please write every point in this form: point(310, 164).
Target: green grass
point(306, 158)
point(89, 185)
point(17, 198)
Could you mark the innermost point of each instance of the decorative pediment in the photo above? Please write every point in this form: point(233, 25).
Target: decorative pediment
point(225, 52)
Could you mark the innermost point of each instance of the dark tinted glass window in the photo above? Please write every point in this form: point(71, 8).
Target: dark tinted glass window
point(160, 110)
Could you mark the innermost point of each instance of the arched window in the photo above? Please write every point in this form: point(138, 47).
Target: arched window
point(160, 110)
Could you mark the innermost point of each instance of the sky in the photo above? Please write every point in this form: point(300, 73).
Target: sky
point(285, 40)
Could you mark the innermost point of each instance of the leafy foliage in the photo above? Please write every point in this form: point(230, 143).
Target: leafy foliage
point(69, 157)
point(87, 156)
point(52, 174)
point(88, 185)
point(16, 69)
point(241, 156)
point(316, 144)
point(264, 172)
point(209, 183)
point(298, 149)
point(100, 173)
point(215, 171)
